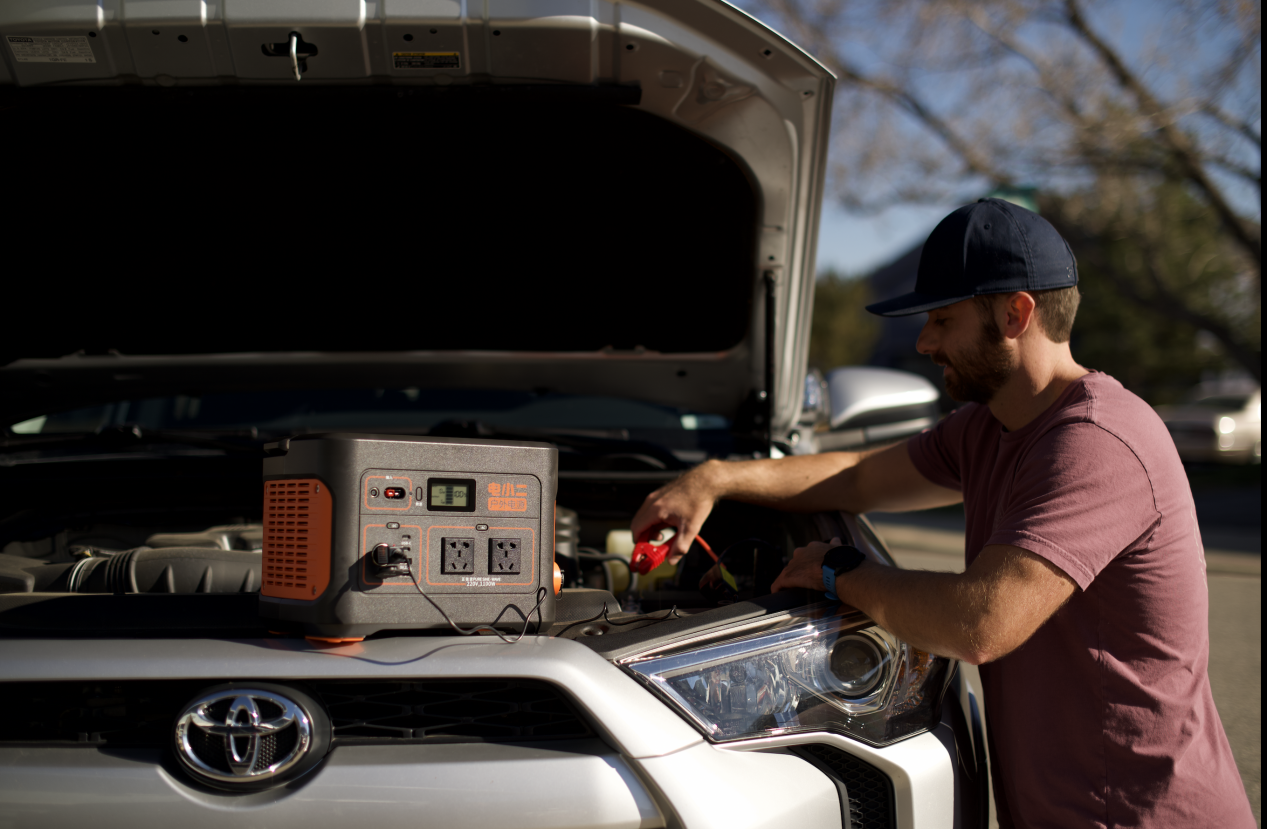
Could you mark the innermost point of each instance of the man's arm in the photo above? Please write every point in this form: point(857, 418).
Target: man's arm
point(856, 482)
point(977, 616)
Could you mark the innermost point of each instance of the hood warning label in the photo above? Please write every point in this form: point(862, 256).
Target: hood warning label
point(427, 60)
point(68, 49)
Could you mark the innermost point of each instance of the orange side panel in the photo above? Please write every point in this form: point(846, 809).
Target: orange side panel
point(297, 522)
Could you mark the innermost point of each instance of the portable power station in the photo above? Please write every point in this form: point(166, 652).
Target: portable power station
point(364, 533)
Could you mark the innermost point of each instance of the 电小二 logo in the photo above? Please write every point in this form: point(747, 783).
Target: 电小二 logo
point(507, 497)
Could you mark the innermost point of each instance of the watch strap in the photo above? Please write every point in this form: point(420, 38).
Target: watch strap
point(837, 562)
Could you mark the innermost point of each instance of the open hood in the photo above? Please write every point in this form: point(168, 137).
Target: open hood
point(575, 195)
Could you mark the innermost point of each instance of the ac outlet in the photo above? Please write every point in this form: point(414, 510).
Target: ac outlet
point(457, 556)
point(505, 556)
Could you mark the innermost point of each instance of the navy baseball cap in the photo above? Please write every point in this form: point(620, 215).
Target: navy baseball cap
point(990, 247)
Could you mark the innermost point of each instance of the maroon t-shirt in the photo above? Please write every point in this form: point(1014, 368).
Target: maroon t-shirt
point(1104, 717)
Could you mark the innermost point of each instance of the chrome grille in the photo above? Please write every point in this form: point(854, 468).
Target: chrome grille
point(142, 713)
point(506, 710)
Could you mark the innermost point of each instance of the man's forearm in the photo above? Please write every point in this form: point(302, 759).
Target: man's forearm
point(805, 483)
point(978, 616)
point(931, 611)
point(857, 482)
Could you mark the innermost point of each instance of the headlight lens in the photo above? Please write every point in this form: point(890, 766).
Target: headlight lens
point(838, 673)
point(1226, 425)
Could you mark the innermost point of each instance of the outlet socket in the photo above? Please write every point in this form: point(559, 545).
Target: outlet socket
point(457, 556)
point(505, 556)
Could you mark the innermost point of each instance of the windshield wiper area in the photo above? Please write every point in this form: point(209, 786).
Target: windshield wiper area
point(126, 436)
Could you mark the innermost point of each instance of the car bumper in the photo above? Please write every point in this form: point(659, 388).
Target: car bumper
point(1215, 448)
point(645, 768)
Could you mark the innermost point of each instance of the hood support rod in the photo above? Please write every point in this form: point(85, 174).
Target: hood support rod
point(767, 396)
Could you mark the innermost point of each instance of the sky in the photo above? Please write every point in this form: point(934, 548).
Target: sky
point(855, 244)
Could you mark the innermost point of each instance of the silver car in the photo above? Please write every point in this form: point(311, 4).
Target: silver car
point(573, 221)
point(1217, 426)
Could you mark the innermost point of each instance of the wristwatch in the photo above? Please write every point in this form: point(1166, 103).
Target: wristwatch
point(840, 560)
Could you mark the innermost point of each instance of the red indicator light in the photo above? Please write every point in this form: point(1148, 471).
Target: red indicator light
point(394, 492)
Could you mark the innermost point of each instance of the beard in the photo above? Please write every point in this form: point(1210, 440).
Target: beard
point(977, 375)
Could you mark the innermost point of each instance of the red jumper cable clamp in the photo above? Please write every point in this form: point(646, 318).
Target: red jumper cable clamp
point(652, 548)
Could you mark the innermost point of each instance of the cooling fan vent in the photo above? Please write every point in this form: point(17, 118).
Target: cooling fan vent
point(296, 538)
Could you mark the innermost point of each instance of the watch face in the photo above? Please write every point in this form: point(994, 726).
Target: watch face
point(843, 559)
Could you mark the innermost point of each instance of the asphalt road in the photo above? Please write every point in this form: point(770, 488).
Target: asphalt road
point(1234, 576)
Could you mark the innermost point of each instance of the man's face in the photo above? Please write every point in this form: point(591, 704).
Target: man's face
point(967, 342)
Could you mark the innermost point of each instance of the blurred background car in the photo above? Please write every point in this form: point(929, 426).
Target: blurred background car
point(1217, 424)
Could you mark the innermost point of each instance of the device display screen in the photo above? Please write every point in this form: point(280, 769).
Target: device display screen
point(451, 495)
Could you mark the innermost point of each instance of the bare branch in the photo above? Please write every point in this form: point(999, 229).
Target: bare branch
point(1254, 177)
point(899, 95)
point(1226, 74)
point(1176, 141)
point(1242, 128)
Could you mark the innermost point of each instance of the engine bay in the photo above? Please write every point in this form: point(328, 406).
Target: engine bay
point(149, 527)
point(120, 566)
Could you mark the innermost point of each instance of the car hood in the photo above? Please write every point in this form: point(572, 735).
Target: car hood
point(573, 195)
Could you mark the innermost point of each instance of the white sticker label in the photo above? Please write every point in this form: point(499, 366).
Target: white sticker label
point(70, 49)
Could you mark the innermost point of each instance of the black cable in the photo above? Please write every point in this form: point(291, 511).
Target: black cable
point(541, 597)
point(671, 611)
point(590, 554)
point(595, 555)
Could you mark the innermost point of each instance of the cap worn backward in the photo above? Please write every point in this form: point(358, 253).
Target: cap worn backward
point(990, 247)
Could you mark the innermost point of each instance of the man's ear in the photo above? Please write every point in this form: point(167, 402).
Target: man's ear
point(1019, 308)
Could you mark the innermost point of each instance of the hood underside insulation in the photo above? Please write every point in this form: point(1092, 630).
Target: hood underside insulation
point(326, 219)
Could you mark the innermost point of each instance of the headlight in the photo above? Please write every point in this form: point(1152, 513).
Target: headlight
point(800, 673)
point(1226, 425)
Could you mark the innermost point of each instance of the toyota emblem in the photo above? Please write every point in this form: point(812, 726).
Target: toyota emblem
point(243, 736)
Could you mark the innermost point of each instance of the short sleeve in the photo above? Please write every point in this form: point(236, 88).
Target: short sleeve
point(938, 452)
point(1080, 499)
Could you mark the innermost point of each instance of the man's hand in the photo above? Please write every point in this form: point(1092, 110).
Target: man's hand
point(806, 567)
point(683, 503)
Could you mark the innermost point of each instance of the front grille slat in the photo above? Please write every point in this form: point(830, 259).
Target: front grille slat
point(870, 790)
point(508, 710)
point(141, 714)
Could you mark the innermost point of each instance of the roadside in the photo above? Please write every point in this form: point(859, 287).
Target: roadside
point(934, 540)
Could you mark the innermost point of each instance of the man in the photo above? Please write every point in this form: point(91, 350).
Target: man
point(1084, 598)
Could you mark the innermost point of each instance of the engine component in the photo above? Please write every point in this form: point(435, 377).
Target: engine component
point(364, 533)
point(142, 570)
point(224, 537)
point(567, 537)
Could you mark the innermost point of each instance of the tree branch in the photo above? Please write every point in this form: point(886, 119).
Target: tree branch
point(1254, 178)
point(1242, 128)
point(1175, 140)
point(905, 99)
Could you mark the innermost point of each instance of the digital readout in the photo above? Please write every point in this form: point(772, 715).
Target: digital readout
point(450, 495)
